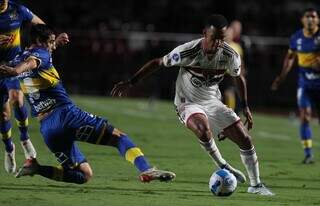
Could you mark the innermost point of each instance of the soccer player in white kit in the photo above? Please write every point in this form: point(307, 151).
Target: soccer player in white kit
point(203, 63)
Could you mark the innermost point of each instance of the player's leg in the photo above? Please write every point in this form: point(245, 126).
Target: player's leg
point(89, 128)
point(196, 120)
point(69, 171)
point(239, 135)
point(5, 129)
point(305, 114)
point(58, 137)
point(21, 115)
point(132, 153)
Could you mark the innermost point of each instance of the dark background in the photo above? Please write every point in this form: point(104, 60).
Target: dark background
point(110, 40)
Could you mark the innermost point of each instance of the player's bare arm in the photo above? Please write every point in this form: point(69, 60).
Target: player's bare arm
point(287, 66)
point(242, 90)
point(27, 65)
point(149, 68)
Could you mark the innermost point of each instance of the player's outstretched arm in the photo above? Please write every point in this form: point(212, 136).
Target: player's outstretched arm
point(287, 66)
point(26, 65)
point(150, 67)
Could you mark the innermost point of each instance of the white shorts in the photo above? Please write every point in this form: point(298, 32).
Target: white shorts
point(219, 115)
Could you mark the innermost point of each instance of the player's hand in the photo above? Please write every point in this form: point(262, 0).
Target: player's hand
point(5, 70)
point(248, 116)
point(121, 88)
point(62, 39)
point(275, 84)
point(4, 39)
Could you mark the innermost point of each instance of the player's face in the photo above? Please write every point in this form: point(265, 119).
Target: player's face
point(3, 5)
point(212, 37)
point(310, 20)
point(51, 43)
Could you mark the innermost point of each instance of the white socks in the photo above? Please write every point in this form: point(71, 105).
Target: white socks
point(213, 152)
point(250, 160)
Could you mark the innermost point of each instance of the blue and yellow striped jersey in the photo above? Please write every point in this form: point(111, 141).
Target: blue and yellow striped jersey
point(307, 50)
point(42, 86)
point(10, 23)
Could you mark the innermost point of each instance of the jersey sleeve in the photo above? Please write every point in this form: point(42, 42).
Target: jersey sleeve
point(26, 14)
point(41, 57)
point(180, 55)
point(234, 67)
point(293, 43)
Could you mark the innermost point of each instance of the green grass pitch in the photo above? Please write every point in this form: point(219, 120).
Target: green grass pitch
point(168, 145)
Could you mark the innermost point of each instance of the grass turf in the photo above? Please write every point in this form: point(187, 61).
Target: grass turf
point(168, 145)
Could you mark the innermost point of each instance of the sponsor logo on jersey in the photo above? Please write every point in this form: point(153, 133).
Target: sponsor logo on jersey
point(44, 105)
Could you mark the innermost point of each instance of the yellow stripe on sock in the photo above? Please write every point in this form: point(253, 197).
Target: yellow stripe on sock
point(23, 123)
point(132, 154)
point(6, 135)
point(306, 143)
point(57, 173)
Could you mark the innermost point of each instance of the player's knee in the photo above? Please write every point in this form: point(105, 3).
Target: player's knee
point(88, 176)
point(5, 116)
point(305, 119)
point(87, 172)
point(204, 133)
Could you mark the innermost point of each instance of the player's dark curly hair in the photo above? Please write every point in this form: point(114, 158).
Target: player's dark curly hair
point(40, 32)
point(217, 21)
point(311, 9)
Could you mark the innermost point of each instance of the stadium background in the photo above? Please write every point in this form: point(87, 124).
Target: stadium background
point(110, 40)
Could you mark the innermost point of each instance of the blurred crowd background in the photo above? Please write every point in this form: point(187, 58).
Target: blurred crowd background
point(110, 40)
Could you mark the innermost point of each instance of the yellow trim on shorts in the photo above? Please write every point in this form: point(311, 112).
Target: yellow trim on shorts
point(132, 154)
point(306, 143)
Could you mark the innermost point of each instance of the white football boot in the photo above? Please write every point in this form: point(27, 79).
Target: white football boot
point(10, 161)
point(260, 189)
point(28, 149)
point(237, 173)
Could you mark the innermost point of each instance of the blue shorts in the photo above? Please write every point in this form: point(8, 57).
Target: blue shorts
point(67, 124)
point(308, 97)
point(3, 92)
point(13, 83)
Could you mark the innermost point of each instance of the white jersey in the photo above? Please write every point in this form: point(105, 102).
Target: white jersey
point(199, 76)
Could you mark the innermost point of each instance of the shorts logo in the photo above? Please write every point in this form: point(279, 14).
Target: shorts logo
point(84, 133)
point(61, 157)
point(175, 57)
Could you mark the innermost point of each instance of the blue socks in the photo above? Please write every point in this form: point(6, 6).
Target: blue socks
point(5, 129)
point(21, 115)
point(306, 139)
point(132, 153)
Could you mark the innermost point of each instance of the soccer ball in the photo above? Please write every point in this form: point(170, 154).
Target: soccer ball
point(222, 183)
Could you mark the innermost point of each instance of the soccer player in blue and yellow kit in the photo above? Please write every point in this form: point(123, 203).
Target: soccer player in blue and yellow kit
point(63, 123)
point(12, 15)
point(305, 47)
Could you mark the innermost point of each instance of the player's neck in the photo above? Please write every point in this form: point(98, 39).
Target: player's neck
point(310, 32)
